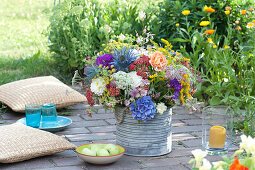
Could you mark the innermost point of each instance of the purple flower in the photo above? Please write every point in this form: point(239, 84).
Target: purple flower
point(104, 60)
point(176, 95)
point(177, 86)
point(143, 92)
point(157, 95)
point(143, 109)
point(135, 93)
point(127, 102)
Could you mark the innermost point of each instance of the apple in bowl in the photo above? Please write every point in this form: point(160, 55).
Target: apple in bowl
point(100, 153)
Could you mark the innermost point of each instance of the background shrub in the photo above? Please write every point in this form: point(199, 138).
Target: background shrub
point(79, 28)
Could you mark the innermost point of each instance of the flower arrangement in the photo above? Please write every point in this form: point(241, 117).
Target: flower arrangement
point(246, 159)
point(147, 81)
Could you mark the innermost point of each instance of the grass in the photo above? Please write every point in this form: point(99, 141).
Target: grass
point(23, 41)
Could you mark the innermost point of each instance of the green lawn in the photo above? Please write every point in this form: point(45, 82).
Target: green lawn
point(23, 28)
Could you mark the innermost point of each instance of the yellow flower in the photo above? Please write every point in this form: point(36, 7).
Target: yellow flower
point(253, 21)
point(250, 25)
point(204, 23)
point(214, 46)
point(177, 24)
point(226, 47)
point(177, 53)
point(185, 12)
point(243, 12)
point(210, 40)
point(227, 12)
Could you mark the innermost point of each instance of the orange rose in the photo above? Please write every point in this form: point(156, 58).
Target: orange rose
point(237, 166)
point(209, 31)
point(158, 60)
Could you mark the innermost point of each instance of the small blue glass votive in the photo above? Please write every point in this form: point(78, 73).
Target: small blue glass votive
point(33, 115)
point(49, 115)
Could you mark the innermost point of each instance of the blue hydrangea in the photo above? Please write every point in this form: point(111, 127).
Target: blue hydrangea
point(143, 109)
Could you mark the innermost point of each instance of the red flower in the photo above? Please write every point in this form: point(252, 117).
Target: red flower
point(237, 166)
point(113, 90)
point(89, 95)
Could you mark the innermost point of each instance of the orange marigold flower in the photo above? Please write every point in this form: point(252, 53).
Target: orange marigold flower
point(209, 31)
point(243, 12)
point(209, 9)
point(158, 60)
point(237, 166)
point(253, 21)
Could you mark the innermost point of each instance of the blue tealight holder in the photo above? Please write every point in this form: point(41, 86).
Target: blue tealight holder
point(49, 115)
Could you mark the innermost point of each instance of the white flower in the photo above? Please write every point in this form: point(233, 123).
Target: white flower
point(142, 15)
point(248, 143)
point(139, 40)
point(137, 80)
point(206, 165)
point(122, 37)
point(97, 86)
point(218, 165)
point(199, 156)
point(123, 80)
point(161, 108)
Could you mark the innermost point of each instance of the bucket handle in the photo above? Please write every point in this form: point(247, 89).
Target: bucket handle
point(119, 121)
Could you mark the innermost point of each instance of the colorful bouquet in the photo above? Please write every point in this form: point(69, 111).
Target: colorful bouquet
point(145, 80)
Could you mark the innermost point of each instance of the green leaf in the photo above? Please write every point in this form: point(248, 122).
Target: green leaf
point(180, 40)
point(215, 101)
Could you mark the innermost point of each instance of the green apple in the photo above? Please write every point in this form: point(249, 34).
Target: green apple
point(112, 149)
point(95, 147)
point(87, 151)
point(102, 152)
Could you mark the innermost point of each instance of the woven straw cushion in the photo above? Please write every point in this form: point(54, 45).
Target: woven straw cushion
point(39, 90)
point(19, 142)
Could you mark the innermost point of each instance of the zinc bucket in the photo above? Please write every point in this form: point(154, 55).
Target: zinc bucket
point(150, 138)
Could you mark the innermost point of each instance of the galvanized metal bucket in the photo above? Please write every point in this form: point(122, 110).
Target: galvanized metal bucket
point(150, 138)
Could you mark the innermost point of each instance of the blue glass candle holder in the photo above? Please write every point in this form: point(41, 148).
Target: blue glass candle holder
point(33, 115)
point(49, 115)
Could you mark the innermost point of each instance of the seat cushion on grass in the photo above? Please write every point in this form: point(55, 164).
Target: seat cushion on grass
point(19, 142)
point(38, 90)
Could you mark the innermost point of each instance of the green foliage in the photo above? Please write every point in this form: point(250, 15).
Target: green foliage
point(79, 28)
point(76, 31)
point(228, 73)
point(164, 25)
